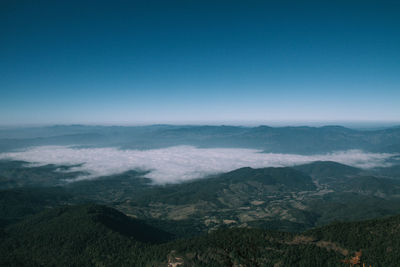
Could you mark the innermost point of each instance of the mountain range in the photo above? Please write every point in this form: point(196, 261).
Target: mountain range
point(322, 213)
point(299, 140)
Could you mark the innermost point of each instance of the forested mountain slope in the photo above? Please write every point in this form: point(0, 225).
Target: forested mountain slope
point(92, 235)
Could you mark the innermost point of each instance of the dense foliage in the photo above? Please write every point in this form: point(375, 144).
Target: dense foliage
point(87, 235)
point(93, 235)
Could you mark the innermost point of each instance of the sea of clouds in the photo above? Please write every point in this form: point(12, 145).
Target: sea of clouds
point(180, 163)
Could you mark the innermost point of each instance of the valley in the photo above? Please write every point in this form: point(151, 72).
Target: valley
point(269, 216)
point(289, 199)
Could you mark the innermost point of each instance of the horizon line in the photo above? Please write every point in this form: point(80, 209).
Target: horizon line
point(271, 123)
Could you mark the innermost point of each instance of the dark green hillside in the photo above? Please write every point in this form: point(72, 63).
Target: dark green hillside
point(285, 199)
point(285, 178)
point(86, 235)
point(327, 169)
point(242, 197)
point(111, 189)
point(392, 171)
point(379, 239)
point(16, 204)
point(342, 178)
point(93, 235)
point(270, 198)
point(255, 182)
point(368, 185)
point(253, 247)
point(351, 206)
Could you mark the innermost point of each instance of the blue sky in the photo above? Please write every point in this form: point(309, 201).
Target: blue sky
point(128, 62)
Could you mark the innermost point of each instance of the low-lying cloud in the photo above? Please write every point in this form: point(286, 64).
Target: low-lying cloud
point(180, 163)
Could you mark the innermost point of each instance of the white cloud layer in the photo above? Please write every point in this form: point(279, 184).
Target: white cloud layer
point(180, 163)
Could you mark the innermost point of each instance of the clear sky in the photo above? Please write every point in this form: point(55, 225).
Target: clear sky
point(127, 62)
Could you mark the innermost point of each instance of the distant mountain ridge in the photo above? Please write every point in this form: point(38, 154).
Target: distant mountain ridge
point(301, 139)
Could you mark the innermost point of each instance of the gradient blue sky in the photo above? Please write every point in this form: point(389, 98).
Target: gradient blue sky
point(127, 62)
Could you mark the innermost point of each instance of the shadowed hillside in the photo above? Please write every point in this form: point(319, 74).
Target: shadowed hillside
point(84, 235)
